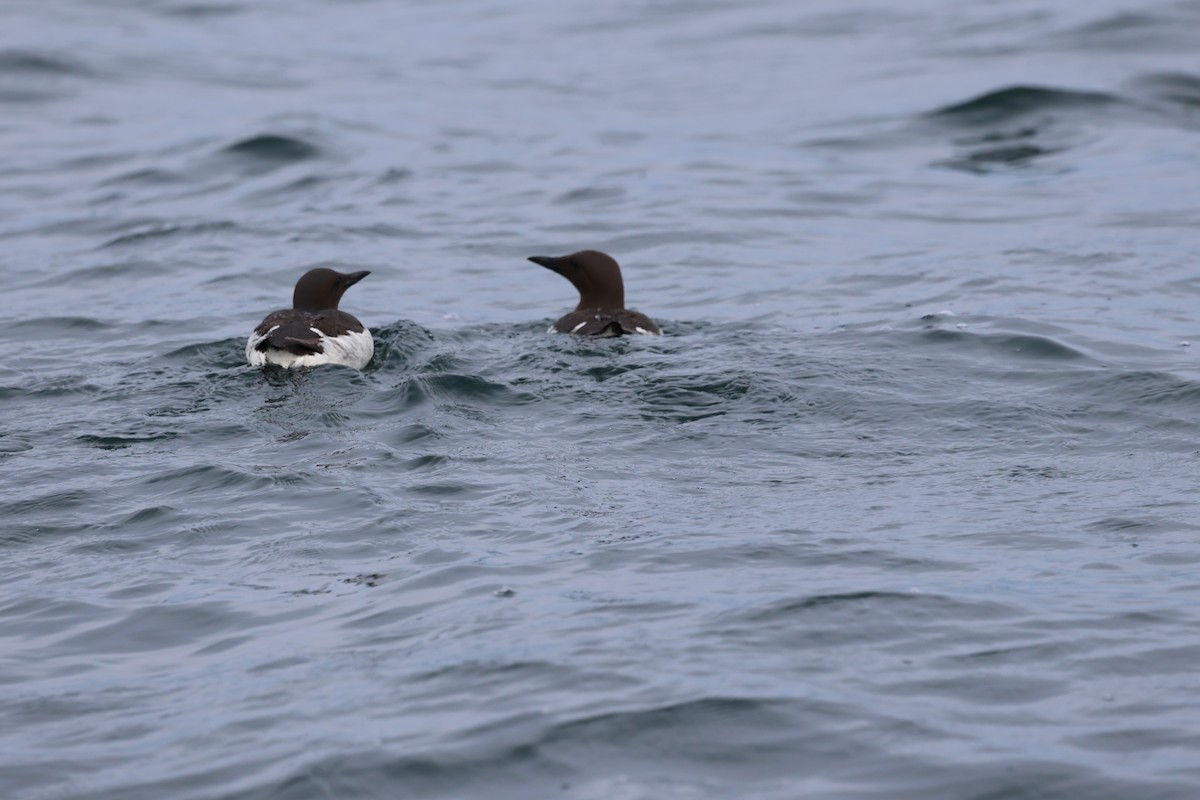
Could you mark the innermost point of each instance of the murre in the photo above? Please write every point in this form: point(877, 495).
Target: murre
point(601, 310)
point(313, 331)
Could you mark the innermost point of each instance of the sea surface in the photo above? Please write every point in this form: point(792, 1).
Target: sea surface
point(904, 504)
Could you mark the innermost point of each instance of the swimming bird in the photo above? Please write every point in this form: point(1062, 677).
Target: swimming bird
point(313, 331)
point(601, 310)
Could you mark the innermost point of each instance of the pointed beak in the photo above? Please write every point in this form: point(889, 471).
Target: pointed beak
point(355, 277)
point(547, 262)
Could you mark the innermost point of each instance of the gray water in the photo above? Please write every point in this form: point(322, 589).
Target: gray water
point(903, 505)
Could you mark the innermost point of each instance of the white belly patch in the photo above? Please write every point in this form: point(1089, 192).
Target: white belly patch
point(351, 349)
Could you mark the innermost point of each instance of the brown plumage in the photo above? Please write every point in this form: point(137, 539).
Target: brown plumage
point(302, 334)
point(601, 310)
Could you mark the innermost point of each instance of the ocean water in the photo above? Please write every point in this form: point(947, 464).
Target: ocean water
point(904, 503)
